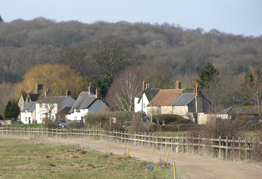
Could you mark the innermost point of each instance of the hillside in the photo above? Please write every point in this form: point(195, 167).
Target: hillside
point(24, 44)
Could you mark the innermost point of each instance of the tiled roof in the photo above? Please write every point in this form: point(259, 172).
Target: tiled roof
point(184, 99)
point(166, 97)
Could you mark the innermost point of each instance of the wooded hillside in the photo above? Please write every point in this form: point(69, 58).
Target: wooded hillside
point(24, 44)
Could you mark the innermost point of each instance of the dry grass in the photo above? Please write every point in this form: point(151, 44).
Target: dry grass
point(29, 159)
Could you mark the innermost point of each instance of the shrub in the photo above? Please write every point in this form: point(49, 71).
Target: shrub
point(170, 118)
point(75, 125)
point(219, 127)
point(50, 123)
point(114, 126)
point(94, 118)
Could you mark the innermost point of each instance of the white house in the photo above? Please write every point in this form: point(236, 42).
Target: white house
point(143, 98)
point(87, 102)
point(50, 106)
point(27, 114)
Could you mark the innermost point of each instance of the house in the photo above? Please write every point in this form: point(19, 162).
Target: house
point(238, 111)
point(183, 102)
point(143, 98)
point(87, 102)
point(52, 106)
point(33, 96)
point(27, 114)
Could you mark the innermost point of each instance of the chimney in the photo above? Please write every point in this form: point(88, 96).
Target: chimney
point(178, 84)
point(90, 89)
point(46, 92)
point(198, 90)
point(98, 93)
point(68, 92)
point(147, 85)
point(38, 87)
point(144, 84)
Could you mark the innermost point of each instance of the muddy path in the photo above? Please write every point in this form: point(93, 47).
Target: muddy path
point(195, 167)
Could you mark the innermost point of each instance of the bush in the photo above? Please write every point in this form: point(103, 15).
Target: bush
point(114, 126)
point(50, 123)
point(219, 127)
point(170, 118)
point(75, 125)
point(137, 124)
point(256, 154)
point(94, 118)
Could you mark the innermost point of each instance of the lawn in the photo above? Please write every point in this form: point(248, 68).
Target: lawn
point(28, 159)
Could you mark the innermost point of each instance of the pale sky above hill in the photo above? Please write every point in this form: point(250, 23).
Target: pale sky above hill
point(230, 16)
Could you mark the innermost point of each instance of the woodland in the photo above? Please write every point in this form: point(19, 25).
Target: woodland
point(179, 52)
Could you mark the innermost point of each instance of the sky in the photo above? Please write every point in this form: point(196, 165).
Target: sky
point(238, 17)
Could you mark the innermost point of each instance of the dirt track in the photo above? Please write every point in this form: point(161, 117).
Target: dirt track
point(193, 166)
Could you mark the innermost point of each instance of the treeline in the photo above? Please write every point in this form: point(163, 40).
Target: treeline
point(24, 44)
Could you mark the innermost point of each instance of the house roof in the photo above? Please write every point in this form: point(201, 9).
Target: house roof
point(64, 111)
point(62, 101)
point(84, 101)
point(166, 97)
point(30, 107)
point(234, 110)
point(184, 99)
point(150, 93)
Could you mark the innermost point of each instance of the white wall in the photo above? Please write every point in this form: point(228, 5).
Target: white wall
point(138, 106)
point(41, 111)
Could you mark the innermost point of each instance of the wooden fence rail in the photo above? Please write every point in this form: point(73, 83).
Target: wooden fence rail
point(235, 148)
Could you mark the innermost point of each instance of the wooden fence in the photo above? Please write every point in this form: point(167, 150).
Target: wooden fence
point(233, 149)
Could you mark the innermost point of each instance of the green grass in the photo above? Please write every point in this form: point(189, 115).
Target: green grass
point(26, 159)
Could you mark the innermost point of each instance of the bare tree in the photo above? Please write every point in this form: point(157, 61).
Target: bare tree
point(125, 86)
point(75, 57)
point(254, 88)
point(113, 53)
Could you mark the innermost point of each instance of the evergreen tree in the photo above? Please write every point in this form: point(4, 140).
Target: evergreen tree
point(14, 110)
point(207, 76)
point(1, 19)
point(7, 109)
point(104, 83)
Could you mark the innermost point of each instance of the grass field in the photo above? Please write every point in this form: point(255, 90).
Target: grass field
point(27, 159)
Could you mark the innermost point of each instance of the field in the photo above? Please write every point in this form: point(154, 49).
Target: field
point(27, 159)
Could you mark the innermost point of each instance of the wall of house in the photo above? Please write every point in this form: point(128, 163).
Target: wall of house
point(21, 103)
point(192, 106)
point(180, 110)
point(166, 110)
point(42, 111)
point(26, 116)
point(138, 106)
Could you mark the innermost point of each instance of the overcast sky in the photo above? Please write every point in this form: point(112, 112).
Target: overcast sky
point(230, 16)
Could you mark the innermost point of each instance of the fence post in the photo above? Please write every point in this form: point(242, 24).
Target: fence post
point(239, 146)
point(226, 148)
point(199, 148)
point(219, 149)
point(246, 147)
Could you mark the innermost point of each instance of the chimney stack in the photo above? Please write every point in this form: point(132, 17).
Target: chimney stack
point(198, 90)
point(144, 84)
point(90, 89)
point(68, 92)
point(178, 84)
point(38, 87)
point(46, 92)
point(98, 93)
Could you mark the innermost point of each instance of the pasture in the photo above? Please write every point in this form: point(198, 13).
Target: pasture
point(32, 159)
